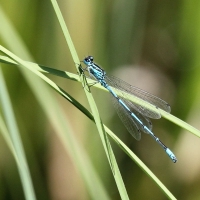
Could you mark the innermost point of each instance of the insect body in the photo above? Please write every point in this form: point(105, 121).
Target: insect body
point(134, 114)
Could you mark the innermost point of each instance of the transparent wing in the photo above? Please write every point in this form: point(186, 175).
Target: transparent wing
point(145, 121)
point(131, 123)
point(127, 120)
point(124, 90)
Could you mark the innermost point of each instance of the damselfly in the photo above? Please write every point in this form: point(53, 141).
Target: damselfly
point(134, 112)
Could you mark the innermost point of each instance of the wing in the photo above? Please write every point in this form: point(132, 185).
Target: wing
point(145, 103)
point(127, 120)
point(132, 124)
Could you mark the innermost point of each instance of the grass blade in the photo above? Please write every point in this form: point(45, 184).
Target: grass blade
point(16, 141)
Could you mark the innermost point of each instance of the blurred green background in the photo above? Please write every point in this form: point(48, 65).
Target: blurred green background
point(154, 45)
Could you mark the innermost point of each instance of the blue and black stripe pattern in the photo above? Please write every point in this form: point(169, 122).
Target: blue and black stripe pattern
point(134, 114)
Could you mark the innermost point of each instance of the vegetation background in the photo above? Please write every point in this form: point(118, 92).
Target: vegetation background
point(154, 45)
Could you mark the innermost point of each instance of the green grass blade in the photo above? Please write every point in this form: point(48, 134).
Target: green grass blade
point(66, 33)
point(180, 122)
point(16, 141)
point(4, 131)
point(139, 163)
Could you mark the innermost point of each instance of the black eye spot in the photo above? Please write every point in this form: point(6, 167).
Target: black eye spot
point(91, 58)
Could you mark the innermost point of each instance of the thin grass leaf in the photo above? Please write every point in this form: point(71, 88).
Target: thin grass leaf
point(140, 163)
point(4, 131)
point(180, 122)
point(16, 141)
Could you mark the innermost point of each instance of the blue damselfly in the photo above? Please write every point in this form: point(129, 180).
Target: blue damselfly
point(135, 113)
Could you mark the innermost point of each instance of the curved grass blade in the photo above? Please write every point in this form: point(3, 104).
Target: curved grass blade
point(16, 141)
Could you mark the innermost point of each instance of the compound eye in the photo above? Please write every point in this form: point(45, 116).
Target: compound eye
point(91, 58)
